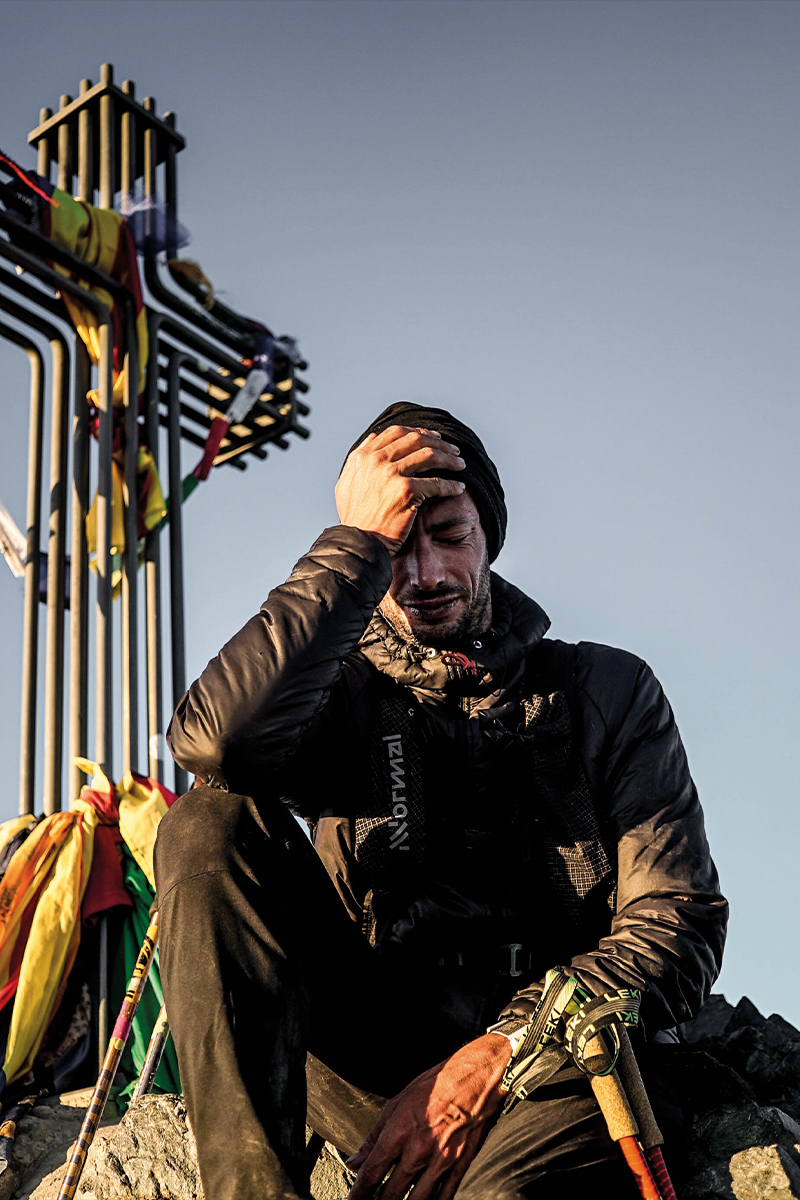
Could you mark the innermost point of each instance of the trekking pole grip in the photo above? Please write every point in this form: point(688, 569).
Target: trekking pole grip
point(614, 1106)
point(628, 1068)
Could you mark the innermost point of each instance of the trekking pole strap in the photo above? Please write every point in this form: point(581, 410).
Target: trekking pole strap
point(600, 1017)
point(566, 1023)
point(559, 990)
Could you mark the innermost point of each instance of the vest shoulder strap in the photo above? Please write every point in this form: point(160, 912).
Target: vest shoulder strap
point(551, 668)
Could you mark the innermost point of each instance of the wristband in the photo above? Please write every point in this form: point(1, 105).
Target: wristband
point(513, 1029)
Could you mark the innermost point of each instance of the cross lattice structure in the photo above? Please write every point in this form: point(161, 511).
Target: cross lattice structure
point(163, 363)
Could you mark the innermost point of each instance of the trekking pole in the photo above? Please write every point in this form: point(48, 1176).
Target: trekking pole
point(155, 1049)
point(624, 1129)
point(116, 1045)
point(650, 1135)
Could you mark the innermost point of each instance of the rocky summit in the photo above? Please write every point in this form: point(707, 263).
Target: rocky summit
point(737, 1072)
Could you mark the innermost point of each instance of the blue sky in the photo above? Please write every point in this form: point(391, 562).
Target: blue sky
point(573, 223)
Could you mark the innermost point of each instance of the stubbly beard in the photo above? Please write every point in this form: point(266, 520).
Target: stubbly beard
point(472, 621)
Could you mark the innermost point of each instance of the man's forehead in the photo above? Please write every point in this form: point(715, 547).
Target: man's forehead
point(448, 510)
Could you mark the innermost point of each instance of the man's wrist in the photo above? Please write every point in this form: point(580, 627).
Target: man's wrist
point(390, 544)
point(513, 1029)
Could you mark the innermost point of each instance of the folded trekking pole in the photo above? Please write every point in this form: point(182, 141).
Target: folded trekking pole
point(116, 1045)
point(631, 1123)
point(649, 1133)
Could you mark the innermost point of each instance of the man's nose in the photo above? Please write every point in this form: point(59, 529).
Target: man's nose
point(426, 568)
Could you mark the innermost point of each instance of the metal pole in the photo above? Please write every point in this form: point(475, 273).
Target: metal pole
point(176, 545)
point(78, 567)
point(153, 571)
point(79, 574)
point(43, 163)
point(107, 156)
point(150, 151)
point(85, 171)
point(56, 551)
point(54, 652)
point(103, 663)
point(128, 142)
point(65, 151)
point(130, 659)
point(30, 636)
point(102, 992)
point(103, 562)
point(171, 176)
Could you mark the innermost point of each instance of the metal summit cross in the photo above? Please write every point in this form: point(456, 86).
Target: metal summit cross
point(72, 304)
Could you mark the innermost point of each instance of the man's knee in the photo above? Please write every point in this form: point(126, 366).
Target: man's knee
point(205, 831)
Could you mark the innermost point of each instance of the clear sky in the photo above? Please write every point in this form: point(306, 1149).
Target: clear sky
point(576, 225)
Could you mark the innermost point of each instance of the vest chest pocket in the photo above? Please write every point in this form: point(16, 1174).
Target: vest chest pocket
point(390, 823)
point(578, 860)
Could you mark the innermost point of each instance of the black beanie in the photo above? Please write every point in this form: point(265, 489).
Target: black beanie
point(479, 474)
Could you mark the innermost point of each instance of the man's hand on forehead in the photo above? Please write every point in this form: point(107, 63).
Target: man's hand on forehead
point(379, 489)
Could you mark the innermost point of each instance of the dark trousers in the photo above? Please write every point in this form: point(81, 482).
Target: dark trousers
point(280, 1009)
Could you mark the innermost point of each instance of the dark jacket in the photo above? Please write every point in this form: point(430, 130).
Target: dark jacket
point(484, 815)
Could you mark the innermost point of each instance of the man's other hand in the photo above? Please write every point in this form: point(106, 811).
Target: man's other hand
point(379, 489)
point(433, 1129)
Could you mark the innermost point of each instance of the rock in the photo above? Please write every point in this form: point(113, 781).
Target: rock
point(744, 1016)
point(779, 1032)
point(42, 1142)
point(151, 1155)
point(711, 1021)
point(330, 1179)
point(742, 1072)
point(765, 1173)
point(726, 1131)
point(694, 1072)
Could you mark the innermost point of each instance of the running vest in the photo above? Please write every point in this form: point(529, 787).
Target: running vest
point(549, 813)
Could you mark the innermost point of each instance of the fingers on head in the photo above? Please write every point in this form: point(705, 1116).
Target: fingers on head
point(426, 458)
point(377, 441)
point(447, 487)
point(393, 432)
point(402, 437)
point(421, 490)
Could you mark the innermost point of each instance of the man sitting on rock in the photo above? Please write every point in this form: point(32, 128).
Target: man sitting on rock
point(485, 802)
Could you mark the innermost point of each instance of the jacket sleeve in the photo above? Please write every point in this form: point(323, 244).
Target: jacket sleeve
point(257, 702)
point(668, 931)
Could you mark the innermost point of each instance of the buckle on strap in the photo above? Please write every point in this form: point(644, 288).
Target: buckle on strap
point(514, 959)
point(511, 960)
